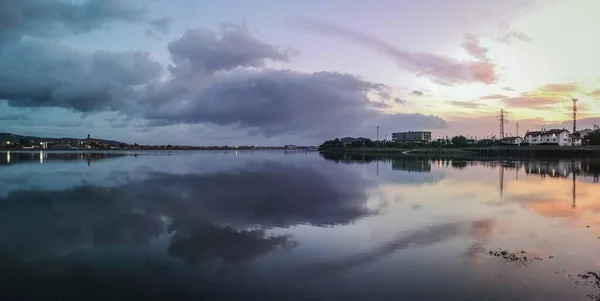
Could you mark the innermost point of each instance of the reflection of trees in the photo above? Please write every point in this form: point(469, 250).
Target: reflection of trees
point(354, 157)
point(411, 165)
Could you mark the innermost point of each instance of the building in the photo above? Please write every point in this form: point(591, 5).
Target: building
point(511, 140)
point(411, 136)
point(554, 136)
point(575, 139)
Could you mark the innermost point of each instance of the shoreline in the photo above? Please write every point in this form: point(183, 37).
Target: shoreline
point(496, 151)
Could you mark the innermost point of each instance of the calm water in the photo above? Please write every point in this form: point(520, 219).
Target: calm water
point(295, 226)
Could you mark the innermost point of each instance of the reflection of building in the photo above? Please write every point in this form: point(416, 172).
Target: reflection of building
point(552, 169)
point(555, 136)
point(412, 165)
point(43, 156)
point(411, 137)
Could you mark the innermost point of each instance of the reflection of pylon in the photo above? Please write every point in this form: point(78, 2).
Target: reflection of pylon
point(503, 120)
point(501, 180)
point(573, 170)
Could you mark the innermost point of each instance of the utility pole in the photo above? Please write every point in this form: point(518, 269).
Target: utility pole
point(377, 133)
point(503, 120)
point(385, 137)
point(517, 129)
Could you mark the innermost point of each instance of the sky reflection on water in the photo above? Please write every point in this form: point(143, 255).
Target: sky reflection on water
point(272, 225)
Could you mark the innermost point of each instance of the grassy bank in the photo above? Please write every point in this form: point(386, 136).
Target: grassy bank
point(398, 151)
point(499, 152)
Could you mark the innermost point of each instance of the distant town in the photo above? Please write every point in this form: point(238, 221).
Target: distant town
point(17, 142)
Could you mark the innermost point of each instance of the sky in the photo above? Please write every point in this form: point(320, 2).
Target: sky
point(269, 72)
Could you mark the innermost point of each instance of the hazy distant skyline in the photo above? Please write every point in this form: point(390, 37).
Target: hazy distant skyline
point(269, 72)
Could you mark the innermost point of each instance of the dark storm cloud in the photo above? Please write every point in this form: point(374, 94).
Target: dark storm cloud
point(438, 68)
point(42, 74)
point(200, 50)
point(215, 79)
point(274, 102)
point(41, 18)
point(417, 92)
point(206, 242)
point(37, 223)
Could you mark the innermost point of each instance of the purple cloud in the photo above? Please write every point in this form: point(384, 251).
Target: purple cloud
point(436, 67)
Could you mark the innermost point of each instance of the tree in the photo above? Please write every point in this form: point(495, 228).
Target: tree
point(593, 137)
point(24, 142)
point(459, 141)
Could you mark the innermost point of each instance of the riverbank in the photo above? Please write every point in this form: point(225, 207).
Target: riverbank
point(495, 151)
point(398, 151)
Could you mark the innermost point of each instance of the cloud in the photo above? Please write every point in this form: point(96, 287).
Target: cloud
point(414, 238)
point(50, 19)
point(508, 89)
point(508, 35)
point(472, 47)
point(275, 102)
point(216, 78)
point(200, 50)
point(530, 102)
point(417, 92)
point(467, 104)
point(161, 25)
point(559, 88)
point(438, 68)
point(399, 101)
point(494, 96)
point(43, 74)
point(134, 211)
point(208, 243)
point(542, 97)
point(158, 27)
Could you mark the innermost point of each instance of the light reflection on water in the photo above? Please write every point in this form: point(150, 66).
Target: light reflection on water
point(274, 225)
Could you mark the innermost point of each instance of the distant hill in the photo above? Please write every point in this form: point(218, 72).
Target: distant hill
point(15, 138)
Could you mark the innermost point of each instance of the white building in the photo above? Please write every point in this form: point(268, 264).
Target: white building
point(554, 136)
point(512, 140)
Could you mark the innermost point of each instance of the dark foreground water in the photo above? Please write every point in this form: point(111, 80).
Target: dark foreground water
point(295, 226)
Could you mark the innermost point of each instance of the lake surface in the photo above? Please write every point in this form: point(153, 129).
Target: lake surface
point(295, 226)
